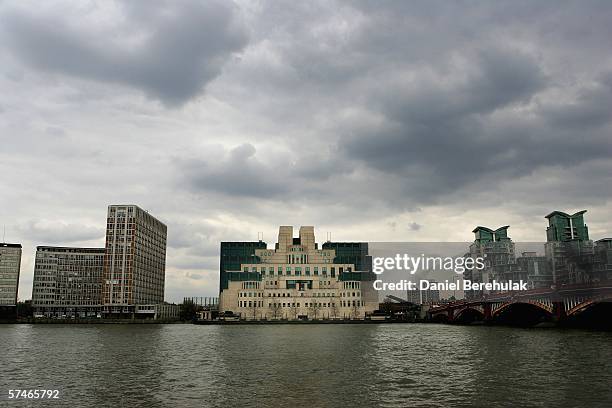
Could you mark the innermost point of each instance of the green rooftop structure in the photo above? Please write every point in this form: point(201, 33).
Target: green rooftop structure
point(563, 227)
point(355, 253)
point(484, 234)
point(234, 254)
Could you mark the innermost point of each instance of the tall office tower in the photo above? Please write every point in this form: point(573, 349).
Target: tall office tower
point(10, 262)
point(67, 281)
point(135, 264)
point(568, 248)
point(497, 249)
point(297, 279)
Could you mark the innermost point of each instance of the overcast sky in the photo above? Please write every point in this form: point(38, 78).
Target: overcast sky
point(375, 121)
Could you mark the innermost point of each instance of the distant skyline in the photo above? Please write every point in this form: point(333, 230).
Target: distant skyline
point(397, 121)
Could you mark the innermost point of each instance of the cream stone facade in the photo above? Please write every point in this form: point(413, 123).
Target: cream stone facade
point(298, 280)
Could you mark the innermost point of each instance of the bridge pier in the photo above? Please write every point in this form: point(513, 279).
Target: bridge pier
point(559, 312)
point(487, 313)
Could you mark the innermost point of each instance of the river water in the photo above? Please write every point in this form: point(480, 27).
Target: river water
point(399, 365)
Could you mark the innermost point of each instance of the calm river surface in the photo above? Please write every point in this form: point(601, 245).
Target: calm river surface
point(306, 366)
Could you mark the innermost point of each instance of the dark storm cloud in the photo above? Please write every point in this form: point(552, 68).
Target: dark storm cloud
point(493, 80)
point(170, 50)
point(348, 114)
point(460, 134)
point(589, 109)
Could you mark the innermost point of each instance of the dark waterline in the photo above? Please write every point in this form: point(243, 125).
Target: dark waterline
point(310, 366)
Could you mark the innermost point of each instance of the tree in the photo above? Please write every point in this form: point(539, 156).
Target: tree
point(254, 309)
point(334, 310)
point(189, 310)
point(314, 309)
point(24, 309)
point(293, 310)
point(354, 310)
point(276, 310)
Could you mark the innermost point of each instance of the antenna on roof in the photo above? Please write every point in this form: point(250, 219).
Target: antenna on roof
point(3, 232)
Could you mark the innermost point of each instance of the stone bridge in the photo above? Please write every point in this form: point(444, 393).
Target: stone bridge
point(565, 304)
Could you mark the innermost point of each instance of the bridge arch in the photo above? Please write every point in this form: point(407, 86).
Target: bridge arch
point(588, 303)
point(591, 313)
point(439, 317)
point(501, 307)
point(469, 315)
point(522, 313)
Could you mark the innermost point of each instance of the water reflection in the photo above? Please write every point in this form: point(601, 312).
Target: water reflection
point(315, 366)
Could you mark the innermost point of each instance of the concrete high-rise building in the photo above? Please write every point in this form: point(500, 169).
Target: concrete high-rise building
point(297, 279)
point(536, 269)
point(569, 250)
point(10, 264)
point(603, 260)
point(67, 281)
point(135, 264)
point(498, 251)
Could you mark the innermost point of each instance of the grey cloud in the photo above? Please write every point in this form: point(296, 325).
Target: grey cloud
point(493, 79)
point(238, 173)
point(198, 238)
point(476, 139)
point(55, 131)
point(176, 47)
point(413, 226)
point(57, 233)
point(591, 108)
point(346, 115)
point(452, 106)
point(193, 263)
